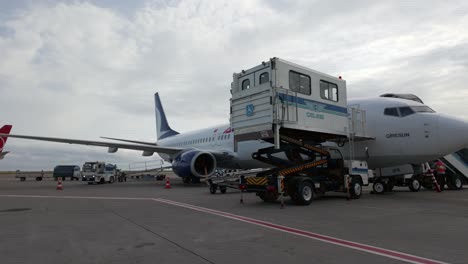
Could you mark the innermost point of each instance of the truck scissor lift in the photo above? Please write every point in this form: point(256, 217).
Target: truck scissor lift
point(298, 111)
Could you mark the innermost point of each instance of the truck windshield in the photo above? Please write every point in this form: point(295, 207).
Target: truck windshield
point(89, 167)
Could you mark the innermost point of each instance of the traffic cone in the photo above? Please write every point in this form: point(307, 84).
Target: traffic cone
point(435, 183)
point(168, 183)
point(59, 184)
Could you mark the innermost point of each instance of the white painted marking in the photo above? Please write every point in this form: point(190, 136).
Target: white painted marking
point(303, 233)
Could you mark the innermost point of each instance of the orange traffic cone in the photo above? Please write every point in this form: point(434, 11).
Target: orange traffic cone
point(59, 184)
point(168, 183)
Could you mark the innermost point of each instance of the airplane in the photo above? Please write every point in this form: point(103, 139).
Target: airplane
point(402, 130)
point(3, 139)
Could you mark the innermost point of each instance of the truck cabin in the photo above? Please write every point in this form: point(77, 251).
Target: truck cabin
point(93, 167)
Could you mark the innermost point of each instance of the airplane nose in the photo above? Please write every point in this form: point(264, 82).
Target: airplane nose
point(453, 134)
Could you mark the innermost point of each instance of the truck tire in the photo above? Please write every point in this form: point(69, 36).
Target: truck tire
point(455, 183)
point(268, 196)
point(38, 178)
point(378, 187)
point(223, 189)
point(305, 193)
point(102, 181)
point(213, 188)
point(414, 185)
point(23, 179)
point(355, 188)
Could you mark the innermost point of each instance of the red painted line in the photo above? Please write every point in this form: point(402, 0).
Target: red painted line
point(332, 240)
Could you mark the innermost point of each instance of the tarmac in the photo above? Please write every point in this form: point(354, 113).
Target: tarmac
point(142, 222)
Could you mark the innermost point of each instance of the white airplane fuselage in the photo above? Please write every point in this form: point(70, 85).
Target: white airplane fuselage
point(414, 138)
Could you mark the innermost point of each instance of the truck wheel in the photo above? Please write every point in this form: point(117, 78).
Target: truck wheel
point(268, 196)
point(38, 178)
point(305, 193)
point(414, 185)
point(355, 188)
point(90, 183)
point(23, 179)
point(223, 189)
point(213, 188)
point(455, 183)
point(378, 187)
point(102, 181)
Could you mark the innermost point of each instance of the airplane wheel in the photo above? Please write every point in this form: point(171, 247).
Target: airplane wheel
point(378, 187)
point(414, 185)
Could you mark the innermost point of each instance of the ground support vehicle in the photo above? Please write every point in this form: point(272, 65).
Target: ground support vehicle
point(414, 177)
point(323, 170)
point(224, 179)
point(297, 110)
point(99, 172)
point(67, 171)
point(37, 175)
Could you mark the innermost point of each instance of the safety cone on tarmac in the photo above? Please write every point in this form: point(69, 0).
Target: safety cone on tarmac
point(435, 183)
point(59, 184)
point(168, 183)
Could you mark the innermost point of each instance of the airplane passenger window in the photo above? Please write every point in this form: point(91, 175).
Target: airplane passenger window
point(328, 91)
point(264, 77)
point(245, 84)
point(391, 111)
point(405, 111)
point(299, 82)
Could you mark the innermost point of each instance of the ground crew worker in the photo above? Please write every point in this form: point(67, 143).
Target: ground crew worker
point(440, 173)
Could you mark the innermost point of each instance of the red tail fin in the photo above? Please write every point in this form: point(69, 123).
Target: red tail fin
point(4, 130)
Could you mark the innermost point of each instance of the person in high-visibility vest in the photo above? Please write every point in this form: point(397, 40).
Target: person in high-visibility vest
point(440, 173)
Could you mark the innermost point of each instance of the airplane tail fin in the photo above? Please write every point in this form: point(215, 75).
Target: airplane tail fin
point(163, 129)
point(4, 130)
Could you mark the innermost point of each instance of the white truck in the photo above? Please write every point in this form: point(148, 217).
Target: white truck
point(99, 172)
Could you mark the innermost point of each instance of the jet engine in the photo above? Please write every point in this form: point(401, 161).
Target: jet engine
point(194, 163)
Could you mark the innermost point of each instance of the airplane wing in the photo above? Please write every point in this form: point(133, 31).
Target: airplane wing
point(132, 141)
point(222, 157)
point(113, 147)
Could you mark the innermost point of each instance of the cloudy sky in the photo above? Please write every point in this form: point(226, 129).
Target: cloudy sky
point(85, 69)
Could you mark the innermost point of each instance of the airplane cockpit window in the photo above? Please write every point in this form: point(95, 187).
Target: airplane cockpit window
point(245, 84)
point(422, 109)
point(405, 111)
point(391, 111)
point(264, 77)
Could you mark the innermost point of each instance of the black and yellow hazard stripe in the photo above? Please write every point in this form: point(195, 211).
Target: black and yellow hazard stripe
point(302, 167)
point(256, 181)
point(304, 145)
